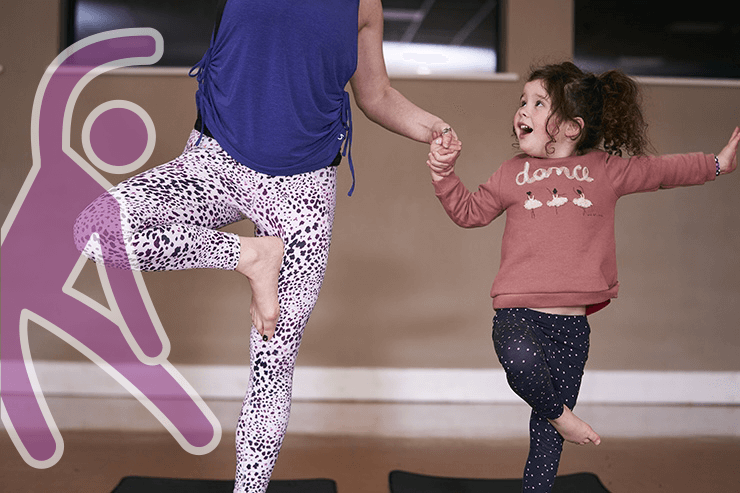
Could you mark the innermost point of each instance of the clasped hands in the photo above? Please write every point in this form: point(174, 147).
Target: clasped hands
point(444, 150)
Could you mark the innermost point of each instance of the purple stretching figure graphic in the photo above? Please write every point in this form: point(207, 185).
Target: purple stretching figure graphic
point(40, 262)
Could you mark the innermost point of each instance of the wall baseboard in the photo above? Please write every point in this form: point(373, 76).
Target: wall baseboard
point(430, 385)
point(410, 403)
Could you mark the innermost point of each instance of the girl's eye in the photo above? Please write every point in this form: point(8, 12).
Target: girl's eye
point(539, 103)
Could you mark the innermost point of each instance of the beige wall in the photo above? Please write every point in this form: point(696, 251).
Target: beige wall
point(405, 287)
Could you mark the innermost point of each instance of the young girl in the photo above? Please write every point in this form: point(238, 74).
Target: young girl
point(558, 259)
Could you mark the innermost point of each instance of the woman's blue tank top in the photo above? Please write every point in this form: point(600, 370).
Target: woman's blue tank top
point(271, 87)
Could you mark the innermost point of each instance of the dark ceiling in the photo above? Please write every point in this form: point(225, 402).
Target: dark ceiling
point(641, 37)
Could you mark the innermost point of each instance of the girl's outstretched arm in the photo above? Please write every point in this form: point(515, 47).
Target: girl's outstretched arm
point(728, 156)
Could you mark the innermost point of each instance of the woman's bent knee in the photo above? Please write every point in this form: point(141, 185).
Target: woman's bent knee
point(98, 234)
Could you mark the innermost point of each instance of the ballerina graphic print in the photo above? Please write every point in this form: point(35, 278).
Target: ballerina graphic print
point(582, 201)
point(532, 203)
point(557, 200)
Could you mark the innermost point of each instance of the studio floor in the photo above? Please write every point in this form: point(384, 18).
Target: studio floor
point(94, 462)
point(645, 449)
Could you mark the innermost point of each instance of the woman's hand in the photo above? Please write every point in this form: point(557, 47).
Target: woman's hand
point(445, 132)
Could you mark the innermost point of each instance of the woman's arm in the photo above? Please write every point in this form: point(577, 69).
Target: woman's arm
point(372, 89)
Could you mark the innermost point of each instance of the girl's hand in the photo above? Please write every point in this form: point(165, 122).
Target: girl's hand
point(441, 160)
point(727, 157)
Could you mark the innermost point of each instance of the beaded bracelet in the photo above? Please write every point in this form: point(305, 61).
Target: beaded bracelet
point(716, 162)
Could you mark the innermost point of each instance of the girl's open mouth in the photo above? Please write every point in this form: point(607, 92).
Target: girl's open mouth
point(524, 129)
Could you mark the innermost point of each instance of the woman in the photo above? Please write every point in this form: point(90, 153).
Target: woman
point(273, 122)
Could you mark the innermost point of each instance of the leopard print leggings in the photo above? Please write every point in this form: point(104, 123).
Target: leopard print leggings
point(169, 216)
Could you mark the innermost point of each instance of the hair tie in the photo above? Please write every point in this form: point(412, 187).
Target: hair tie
point(598, 82)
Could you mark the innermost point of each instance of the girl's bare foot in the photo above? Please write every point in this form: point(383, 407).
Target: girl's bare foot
point(573, 429)
point(260, 261)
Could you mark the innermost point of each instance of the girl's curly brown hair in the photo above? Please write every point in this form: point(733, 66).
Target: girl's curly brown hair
point(609, 105)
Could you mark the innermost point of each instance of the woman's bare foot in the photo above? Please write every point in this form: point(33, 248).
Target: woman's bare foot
point(260, 261)
point(573, 429)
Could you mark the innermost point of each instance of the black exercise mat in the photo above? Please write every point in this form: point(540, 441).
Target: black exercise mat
point(139, 484)
point(407, 482)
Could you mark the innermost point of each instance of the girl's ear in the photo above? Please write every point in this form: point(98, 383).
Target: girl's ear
point(573, 128)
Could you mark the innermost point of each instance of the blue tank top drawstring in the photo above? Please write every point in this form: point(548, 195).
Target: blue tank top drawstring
point(199, 71)
point(202, 96)
point(347, 124)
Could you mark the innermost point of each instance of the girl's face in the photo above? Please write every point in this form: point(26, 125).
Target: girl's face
point(530, 124)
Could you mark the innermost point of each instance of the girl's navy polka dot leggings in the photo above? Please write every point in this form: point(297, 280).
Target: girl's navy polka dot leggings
point(544, 356)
